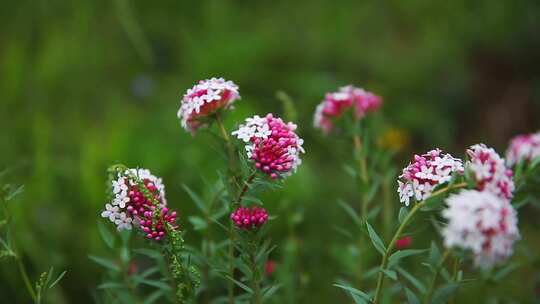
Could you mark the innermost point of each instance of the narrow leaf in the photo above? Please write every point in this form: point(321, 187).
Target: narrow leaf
point(105, 234)
point(442, 294)
point(411, 297)
point(58, 279)
point(403, 211)
point(390, 273)
point(398, 255)
point(240, 284)
point(354, 291)
point(195, 197)
point(376, 240)
point(105, 263)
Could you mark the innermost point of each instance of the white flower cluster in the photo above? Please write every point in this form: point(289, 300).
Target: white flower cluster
point(255, 127)
point(489, 171)
point(426, 172)
point(116, 211)
point(204, 97)
point(523, 147)
point(483, 223)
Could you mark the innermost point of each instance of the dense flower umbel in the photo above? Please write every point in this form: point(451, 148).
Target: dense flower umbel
point(206, 98)
point(348, 97)
point(490, 171)
point(271, 144)
point(483, 223)
point(424, 173)
point(129, 205)
point(249, 218)
point(523, 148)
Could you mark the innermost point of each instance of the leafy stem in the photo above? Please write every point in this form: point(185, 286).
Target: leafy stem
point(429, 294)
point(410, 215)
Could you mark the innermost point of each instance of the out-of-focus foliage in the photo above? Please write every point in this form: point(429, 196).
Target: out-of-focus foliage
point(85, 84)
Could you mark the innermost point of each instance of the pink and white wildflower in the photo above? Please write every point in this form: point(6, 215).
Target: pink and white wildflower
point(249, 218)
point(523, 148)
point(130, 207)
point(424, 173)
point(489, 171)
point(204, 99)
point(272, 144)
point(483, 223)
point(336, 104)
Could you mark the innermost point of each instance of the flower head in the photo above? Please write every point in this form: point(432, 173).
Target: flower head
point(348, 97)
point(483, 223)
point(272, 144)
point(489, 171)
point(249, 218)
point(139, 200)
point(523, 148)
point(204, 99)
point(424, 173)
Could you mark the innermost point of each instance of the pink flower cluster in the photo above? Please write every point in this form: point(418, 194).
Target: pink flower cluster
point(489, 171)
point(272, 144)
point(204, 99)
point(249, 218)
point(483, 223)
point(131, 207)
point(523, 148)
point(424, 173)
point(337, 103)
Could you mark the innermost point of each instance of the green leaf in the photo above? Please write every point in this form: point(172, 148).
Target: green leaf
point(110, 285)
point(153, 297)
point(354, 291)
point(434, 255)
point(403, 211)
point(398, 255)
point(105, 263)
point(269, 292)
point(14, 193)
point(60, 277)
point(442, 294)
point(195, 197)
point(414, 281)
point(411, 297)
point(155, 283)
point(376, 240)
point(198, 222)
point(390, 273)
point(240, 284)
point(105, 234)
point(506, 270)
point(154, 254)
point(351, 212)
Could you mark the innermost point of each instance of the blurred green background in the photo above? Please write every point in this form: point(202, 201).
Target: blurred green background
point(85, 84)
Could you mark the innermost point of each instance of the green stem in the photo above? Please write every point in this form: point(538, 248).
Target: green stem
point(431, 289)
point(384, 261)
point(232, 185)
point(363, 179)
point(256, 285)
point(24, 275)
point(245, 188)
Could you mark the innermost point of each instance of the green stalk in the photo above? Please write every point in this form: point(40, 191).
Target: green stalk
point(232, 178)
point(363, 177)
point(431, 289)
point(24, 275)
point(384, 261)
point(256, 284)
